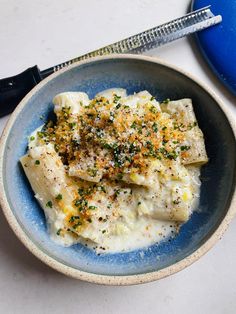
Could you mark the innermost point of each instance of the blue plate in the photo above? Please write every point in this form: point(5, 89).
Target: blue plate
point(134, 74)
point(218, 43)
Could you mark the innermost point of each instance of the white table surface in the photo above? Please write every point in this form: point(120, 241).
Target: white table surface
point(47, 32)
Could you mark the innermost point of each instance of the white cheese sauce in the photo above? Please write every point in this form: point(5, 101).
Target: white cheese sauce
point(144, 211)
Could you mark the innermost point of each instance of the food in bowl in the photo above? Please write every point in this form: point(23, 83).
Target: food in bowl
point(117, 172)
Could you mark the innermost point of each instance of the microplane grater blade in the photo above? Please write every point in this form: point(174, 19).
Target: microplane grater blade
point(155, 37)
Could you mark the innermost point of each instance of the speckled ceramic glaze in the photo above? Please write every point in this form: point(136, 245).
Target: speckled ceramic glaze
point(134, 73)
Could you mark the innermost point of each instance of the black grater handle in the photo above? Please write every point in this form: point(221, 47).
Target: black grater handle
point(13, 89)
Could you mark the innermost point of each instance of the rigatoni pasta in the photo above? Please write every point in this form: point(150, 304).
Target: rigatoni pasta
point(116, 172)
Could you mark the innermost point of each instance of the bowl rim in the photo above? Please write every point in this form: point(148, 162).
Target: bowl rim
point(110, 279)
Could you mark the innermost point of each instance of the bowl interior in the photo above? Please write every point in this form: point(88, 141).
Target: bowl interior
point(134, 75)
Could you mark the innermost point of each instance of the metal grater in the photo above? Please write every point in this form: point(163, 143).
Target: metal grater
point(154, 37)
point(13, 89)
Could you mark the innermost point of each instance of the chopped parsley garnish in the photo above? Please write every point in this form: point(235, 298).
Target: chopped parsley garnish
point(102, 188)
point(81, 203)
point(184, 148)
point(166, 101)
point(154, 127)
point(59, 231)
point(99, 132)
point(90, 114)
point(32, 138)
point(49, 204)
point(72, 125)
point(59, 197)
point(153, 109)
point(65, 111)
point(119, 176)
point(116, 98)
point(133, 125)
point(37, 162)
point(134, 148)
point(41, 134)
point(107, 145)
point(79, 223)
point(128, 158)
point(56, 147)
point(92, 172)
point(112, 117)
point(87, 191)
point(172, 155)
point(149, 144)
point(73, 218)
point(117, 158)
point(117, 192)
point(92, 207)
point(191, 125)
point(81, 191)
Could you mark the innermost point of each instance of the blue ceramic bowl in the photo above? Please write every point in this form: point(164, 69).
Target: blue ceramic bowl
point(134, 73)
